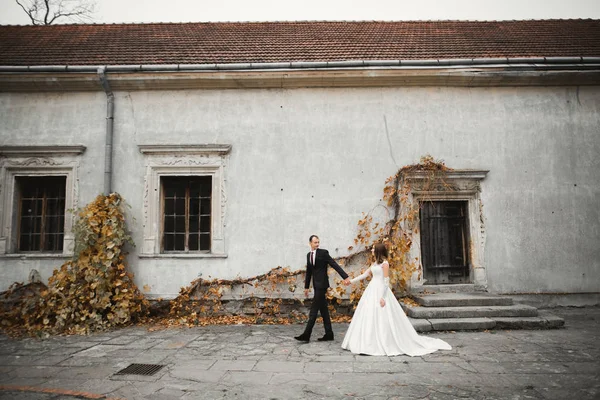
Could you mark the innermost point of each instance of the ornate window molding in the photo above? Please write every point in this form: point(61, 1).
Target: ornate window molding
point(183, 160)
point(459, 185)
point(34, 161)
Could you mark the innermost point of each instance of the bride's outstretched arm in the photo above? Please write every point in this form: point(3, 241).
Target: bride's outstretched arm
point(386, 282)
point(362, 276)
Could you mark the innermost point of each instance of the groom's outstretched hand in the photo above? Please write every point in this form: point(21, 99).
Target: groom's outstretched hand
point(347, 281)
point(306, 292)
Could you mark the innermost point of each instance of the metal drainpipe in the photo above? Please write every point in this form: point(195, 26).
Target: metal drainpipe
point(110, 117)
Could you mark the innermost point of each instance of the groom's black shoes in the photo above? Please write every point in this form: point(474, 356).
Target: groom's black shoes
point(303, 338)
point(325, 338)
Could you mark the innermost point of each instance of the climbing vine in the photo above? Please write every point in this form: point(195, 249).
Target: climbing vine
point(201, 303)
point(93, 291)
point(397, 232)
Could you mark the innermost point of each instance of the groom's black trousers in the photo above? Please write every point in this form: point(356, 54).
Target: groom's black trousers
point(319, 304)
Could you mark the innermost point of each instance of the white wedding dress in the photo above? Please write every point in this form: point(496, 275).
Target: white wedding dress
point(385, 331)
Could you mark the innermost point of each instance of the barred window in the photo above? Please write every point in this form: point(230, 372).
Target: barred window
point(41, 213)
point(186, 215)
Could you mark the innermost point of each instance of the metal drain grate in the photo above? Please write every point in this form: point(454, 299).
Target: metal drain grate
point(140, 369)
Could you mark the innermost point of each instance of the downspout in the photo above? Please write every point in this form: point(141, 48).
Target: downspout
point(108, 143)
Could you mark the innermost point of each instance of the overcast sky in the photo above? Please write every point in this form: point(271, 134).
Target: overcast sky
point(115, 11)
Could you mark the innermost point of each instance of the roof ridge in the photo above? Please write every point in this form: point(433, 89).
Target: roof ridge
point(411, 21)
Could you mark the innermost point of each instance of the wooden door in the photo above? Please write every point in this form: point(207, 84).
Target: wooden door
point(445, 242)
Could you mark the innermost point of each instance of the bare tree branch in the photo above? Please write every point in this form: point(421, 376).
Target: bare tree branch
point(28, 11)
point(47, 3)
point(46, 12)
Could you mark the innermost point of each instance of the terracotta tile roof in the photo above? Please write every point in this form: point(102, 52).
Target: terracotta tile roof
point(243, 42)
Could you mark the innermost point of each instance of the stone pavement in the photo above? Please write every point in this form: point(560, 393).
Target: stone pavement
point(265, 362)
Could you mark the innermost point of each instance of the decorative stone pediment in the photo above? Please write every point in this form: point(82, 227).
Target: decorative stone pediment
point(452, 181)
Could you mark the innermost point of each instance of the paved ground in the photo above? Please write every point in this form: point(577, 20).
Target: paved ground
point(265, 362)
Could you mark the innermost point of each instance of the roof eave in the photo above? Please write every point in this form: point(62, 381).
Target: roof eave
point(537, 71)
point(538, 62)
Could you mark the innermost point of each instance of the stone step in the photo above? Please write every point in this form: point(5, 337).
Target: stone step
point(452, 324)
point(461, 299)
point(449, 288)
point(516, 310)
point(544, 321)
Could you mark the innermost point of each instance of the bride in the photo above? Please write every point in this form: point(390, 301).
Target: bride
point(379, 326)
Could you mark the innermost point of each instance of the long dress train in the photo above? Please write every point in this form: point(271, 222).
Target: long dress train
point(385, 331)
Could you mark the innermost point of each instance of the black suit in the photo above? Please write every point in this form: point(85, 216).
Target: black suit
point(318, 273)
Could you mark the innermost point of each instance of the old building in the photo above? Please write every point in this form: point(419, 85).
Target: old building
point(233, 142)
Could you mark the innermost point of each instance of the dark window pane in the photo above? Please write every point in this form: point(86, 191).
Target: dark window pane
point(169, 224)
point(205, 225)
point(180, 224)
point(200, 186)
point(174, 188)
point(193, 242)
point(26, 224)
point(194, 206)
point(205, 242)
point(52, 206)
point(205, 208)
point(54, 242)
point(49, 242)
point(194, 189)
point(51, 225)
point(206, 188)
point(32, 207)
point(194, 224)
point(169, 206)
point(25, 243)
point(30, 242)
point(27, 206)
point(180, 206)
point(36, 225)
point(180, 242)
point(169, 242)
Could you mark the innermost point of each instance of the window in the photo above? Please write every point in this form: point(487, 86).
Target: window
point(37, 185)
point(41, 213)
point(185, 200)
point(187, 207)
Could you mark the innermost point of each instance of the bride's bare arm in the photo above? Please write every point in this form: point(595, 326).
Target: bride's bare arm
point(362, 276)
point(386, 282)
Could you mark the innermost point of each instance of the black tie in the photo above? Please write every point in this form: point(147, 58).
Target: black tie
point(311, 257)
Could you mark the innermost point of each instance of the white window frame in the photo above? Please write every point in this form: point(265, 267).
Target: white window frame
point(183, 160)
point(37, 161)
point(460, 185)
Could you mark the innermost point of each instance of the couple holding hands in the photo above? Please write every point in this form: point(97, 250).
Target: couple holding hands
point(379, 326)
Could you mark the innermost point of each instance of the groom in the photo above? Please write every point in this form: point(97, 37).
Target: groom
point(317, 261)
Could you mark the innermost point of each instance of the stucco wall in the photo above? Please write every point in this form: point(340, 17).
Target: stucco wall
point(312, 160)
